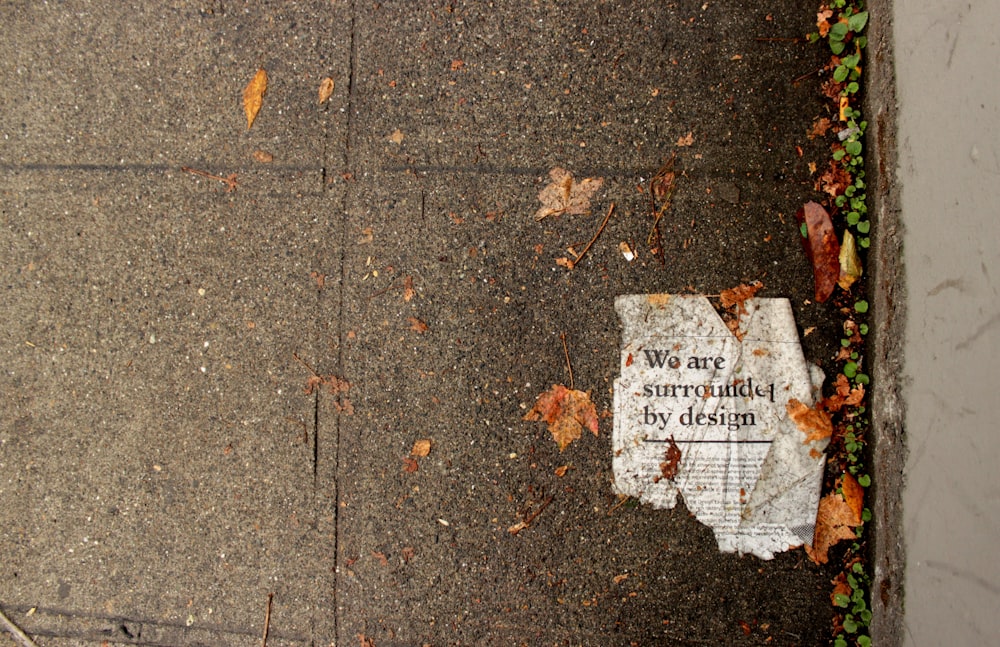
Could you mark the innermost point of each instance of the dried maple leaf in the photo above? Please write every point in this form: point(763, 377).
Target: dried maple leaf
point(421, 448)
point(835, 521)
point(566, 412)
point(253, 96)
point(325, 89)
point(822, 248)
point(739, 295)
point(850, 262)
point(564, 196)
point(408, 291)
point(815, 423)
point(686, 140)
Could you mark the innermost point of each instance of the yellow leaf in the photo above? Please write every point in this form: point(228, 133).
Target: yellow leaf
point(850, 262)
point(325, 89)
point(253, 96)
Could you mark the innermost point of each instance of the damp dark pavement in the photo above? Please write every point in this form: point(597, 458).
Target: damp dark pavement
point(212, 390)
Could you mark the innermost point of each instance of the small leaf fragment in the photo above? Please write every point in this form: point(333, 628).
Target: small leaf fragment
point(421, 448)
point(253, 96)
point(263, 157)
point(325, 89)
point(850, 262)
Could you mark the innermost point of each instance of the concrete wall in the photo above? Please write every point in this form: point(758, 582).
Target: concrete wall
point(948, 84)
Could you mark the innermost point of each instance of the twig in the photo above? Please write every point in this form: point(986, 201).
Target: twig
point(534, 515)
point(599, 230)
point(569, 367)
point(620, 503)
point(19, 636)
point(806, 76)
point(267, 618)
point(303, 362)
point(229, 180)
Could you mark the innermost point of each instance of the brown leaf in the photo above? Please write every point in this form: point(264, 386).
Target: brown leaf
point(325, 89)
point(421, 448)
point(457, 64)
point(854, 495)
point(834, 180)
point(410, 465)
point(366, 642)
point(822, 248)
point(561, 470)
point(566, 412)
point(564, 196)
point(815, 423)
point(263, 157)
point(417, 325)
point(407, 553)
point(739, 295)
point(408, 291)
point(253, 96)
point(672, 460)
point(397, 136)
point(835, 521)
point(686, 140)
point(850, 262)
point(819, 128)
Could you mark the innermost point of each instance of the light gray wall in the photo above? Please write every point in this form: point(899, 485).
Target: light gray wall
point(948, 82)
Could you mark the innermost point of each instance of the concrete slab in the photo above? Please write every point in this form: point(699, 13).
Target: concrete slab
point(427, 164)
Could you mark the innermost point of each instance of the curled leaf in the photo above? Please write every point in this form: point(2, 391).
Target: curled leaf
point(850, 262)
point(325, 89)
point(253, 96)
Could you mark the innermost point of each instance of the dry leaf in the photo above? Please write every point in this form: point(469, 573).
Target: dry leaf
point(834, 180)
point(564, 196)
point(739, 295)
point(671, 461)
point(408, 291)
point(815, 423)
point(421, 448)
point(850, 262)
point(819, 128)
point(366, 642)
point(410, 465)
point(821, 247)
point(561, 470)
point(686, 140)
point(253, 96)
point(835, 521)
point(417, 325)
point(566, 412)
point(407, 553)
point(457, 64)
point(854, 495)
point(397, 136)
point(325, 89)
point(263, 157)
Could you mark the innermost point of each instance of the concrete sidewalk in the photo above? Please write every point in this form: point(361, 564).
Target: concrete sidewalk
point(164, 465)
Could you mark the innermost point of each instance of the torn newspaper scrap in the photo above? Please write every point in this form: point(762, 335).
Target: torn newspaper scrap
point(702, 413)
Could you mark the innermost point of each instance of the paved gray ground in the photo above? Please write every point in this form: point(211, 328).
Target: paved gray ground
point(163, 468)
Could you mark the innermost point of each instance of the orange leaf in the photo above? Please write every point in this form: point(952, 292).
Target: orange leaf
point(739, 295)
point(854, 495)
point(410, 465)
point(822, 248)
point(417, 325)
point(253, 96)
point(815, 423)
point(566, 412)
point(421, 448)
point(408, 291)
point(835, 521)
point(325, 89)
